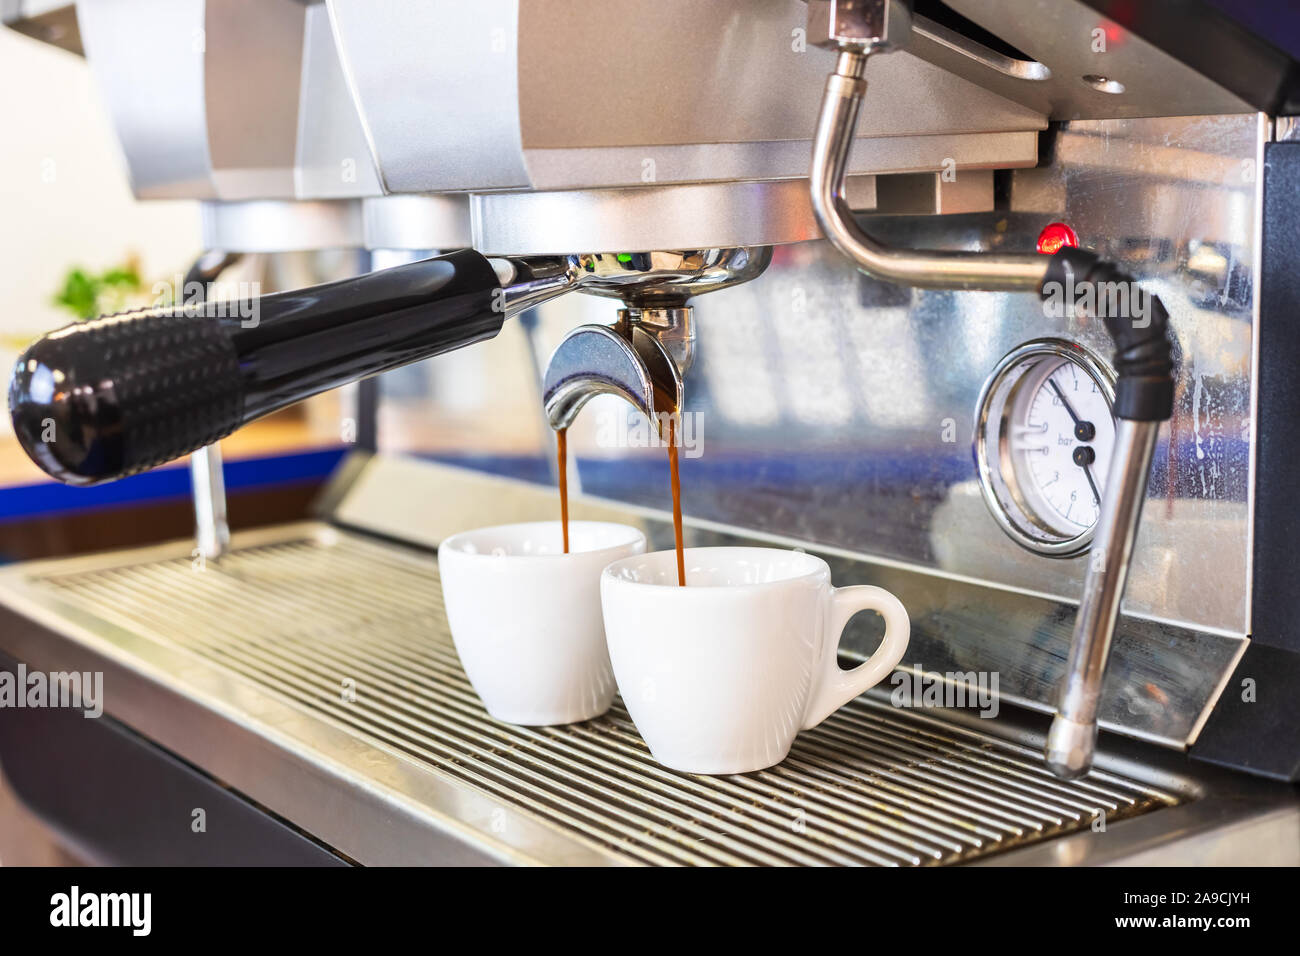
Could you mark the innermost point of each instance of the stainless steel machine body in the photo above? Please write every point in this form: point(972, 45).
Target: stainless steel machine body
point(828, 410)
point(311, 671)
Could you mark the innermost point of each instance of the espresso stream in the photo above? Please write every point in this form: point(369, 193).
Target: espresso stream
point(561, 442)
point(677, 500)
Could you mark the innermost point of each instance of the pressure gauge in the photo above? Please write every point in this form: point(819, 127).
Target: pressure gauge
point(1044, 432)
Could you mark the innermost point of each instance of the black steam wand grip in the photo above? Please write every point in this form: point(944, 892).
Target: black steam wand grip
point(103, 399)
point(1139, 327)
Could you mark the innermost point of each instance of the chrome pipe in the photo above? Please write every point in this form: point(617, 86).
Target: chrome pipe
point(207, 480)
point(1072, 738)
point(930, 269)
point(207, 470)
point(527, 283)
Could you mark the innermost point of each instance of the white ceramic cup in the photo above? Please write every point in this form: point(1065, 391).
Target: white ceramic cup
point(525, 616)
point(720, 675)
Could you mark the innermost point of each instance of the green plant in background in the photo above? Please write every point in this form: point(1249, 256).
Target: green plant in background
point(87, 294)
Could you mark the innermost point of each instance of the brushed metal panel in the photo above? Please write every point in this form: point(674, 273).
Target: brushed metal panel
point(272, 225)
point(840, 410)
point(252, 69)
point(644, 165)
point(686, 216)
point(416, 222)
point(1073, 40)
point(332, 158)
point(553, 95)
point(204, 94)
point(156, 101)
point(437, 87)
point(666, 72)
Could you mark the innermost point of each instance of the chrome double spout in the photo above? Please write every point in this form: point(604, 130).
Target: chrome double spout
point(645, 354)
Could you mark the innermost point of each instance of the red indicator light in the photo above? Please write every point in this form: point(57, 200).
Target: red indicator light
point(1055, 236)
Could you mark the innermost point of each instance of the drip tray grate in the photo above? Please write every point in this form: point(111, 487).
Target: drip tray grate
point(353, 630)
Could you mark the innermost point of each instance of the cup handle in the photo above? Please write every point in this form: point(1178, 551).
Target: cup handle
point(833, 688)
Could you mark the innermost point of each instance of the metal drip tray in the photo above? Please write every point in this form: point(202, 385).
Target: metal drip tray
point(339, 631)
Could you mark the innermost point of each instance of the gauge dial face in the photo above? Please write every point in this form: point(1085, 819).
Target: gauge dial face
point(1045, 432)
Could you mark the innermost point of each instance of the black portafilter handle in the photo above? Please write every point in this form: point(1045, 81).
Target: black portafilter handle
point(1144, 349)
point(103, 399)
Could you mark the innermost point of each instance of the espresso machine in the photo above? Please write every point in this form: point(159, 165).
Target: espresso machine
point(983, 302)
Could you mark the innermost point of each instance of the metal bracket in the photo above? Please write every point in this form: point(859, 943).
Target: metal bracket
point(861, 25)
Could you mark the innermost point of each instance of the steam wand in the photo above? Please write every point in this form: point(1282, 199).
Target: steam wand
point(1144, 397)
point(1143, 357)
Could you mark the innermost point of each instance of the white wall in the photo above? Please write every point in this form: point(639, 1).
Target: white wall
point(64, 195)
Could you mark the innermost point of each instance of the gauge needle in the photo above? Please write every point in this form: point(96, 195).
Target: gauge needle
point(1084, 431)
point(1096, 495)
point(1084, 456)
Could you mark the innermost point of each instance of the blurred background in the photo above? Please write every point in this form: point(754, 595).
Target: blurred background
point(76, 243)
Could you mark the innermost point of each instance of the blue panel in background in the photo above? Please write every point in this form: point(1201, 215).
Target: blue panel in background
point(49, 498)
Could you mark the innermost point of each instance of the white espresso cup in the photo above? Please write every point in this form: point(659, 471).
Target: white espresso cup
point(525, 616)
point(720, 675)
